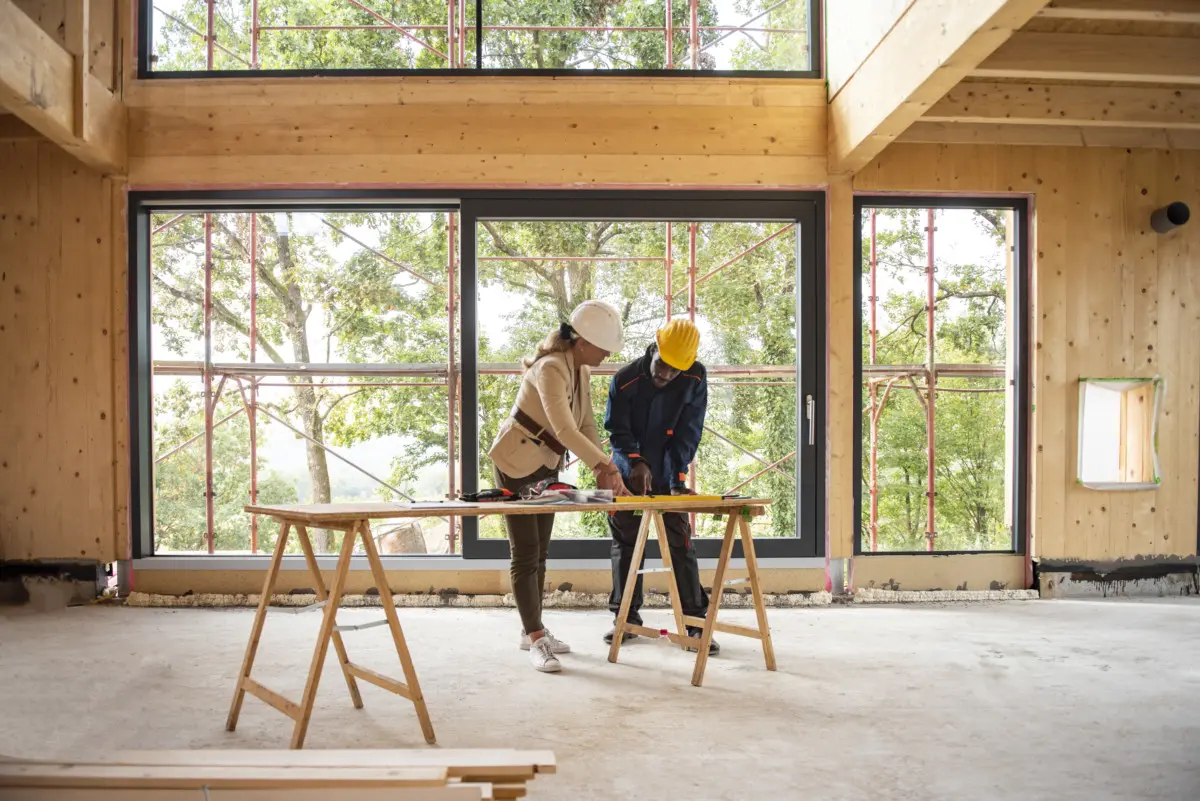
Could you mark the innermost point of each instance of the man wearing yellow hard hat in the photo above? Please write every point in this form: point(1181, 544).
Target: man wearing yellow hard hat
point(655, 417)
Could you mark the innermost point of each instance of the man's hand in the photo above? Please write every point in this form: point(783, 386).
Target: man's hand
point(640, 480)
point(682, 491)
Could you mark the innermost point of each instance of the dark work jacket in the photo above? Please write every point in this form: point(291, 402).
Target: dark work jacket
point(662, 427)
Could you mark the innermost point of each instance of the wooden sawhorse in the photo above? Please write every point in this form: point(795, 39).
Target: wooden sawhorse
point(737, 525)
point(329, 599)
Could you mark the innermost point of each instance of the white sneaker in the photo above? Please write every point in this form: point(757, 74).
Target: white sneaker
point(557, 646)
point(543, 658)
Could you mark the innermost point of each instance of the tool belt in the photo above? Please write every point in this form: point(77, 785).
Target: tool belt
point(538, 433)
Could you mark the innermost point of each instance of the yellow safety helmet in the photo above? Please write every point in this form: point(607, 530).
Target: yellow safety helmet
point(678, 342)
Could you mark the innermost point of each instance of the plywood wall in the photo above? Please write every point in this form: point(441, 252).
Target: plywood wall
point(1112, 298)
point(62, 332)
point(489, 131)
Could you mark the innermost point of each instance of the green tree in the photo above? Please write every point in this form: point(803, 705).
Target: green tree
point(970, 327)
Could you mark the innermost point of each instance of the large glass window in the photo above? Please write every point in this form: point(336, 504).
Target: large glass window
point(190, 36)
point(300, 357)
point(735, 279)
point(942, 395)
point(351, 350)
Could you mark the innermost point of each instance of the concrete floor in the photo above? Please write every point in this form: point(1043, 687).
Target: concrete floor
point(1030, 700)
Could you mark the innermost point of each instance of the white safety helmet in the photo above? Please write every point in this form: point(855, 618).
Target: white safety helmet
point(599, 323)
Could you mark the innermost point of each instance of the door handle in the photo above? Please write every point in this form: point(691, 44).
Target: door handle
point(810, 411)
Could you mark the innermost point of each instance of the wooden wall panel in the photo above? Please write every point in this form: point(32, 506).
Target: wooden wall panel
point(1111, 298)
point(478, 131)
point(51, 17)
point(59, 454)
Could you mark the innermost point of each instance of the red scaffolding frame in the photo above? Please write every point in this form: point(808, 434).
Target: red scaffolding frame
point(250, 377)
point(457, 28)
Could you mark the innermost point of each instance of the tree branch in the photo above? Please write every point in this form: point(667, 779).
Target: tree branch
point(196, 297)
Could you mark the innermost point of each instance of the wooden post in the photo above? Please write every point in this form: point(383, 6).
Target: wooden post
point(319, 583)
point(714, 601)
point(389, 610)
point(630, 585)
point(260, 617)
point(77, 35)
point(760, 608)
point(665, 548)
point(323, 637)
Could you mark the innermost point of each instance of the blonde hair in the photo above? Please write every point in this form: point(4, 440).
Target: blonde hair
point(560, 340)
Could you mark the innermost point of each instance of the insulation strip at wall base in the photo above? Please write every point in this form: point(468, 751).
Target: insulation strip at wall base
point(554, 600)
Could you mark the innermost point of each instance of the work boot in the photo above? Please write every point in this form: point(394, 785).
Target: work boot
point(697, 632)
point(626, 637)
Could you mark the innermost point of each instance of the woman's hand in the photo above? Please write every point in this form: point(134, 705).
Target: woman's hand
point(608, 477)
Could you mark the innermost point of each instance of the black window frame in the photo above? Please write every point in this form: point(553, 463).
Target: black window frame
point(805, 208)
point(1022, 370)
point(145, 48)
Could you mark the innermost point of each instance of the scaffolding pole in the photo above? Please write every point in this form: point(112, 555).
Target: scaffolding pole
point(252, 409)
point(209, 502)
point(931, 383)
point(874, 332)
point(452, 369)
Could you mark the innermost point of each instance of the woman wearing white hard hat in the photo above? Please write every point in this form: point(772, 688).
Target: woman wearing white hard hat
point(553, 415)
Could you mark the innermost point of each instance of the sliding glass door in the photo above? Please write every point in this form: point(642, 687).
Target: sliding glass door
point(742, 269)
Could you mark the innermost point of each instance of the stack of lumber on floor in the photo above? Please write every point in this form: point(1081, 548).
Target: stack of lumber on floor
point(475, 774)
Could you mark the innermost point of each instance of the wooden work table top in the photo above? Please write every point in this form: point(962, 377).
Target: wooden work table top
point(336, 512)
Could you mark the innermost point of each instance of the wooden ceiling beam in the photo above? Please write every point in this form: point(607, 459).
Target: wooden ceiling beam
point(1174, 11)
point(41, 83)
point(1067, 105)
point(967, 133)
point(1095, 57)
point(933, 46)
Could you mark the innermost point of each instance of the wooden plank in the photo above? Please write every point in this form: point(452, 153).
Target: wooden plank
point(328, 618)
point(1094, 57)
point(339, 647)
point(228, 777)
point(1054, 396)
point(1174, 11)
point(78, 41)
point(256, 628)
point(103, 38)
point(934, 46)
point(1139, 325)
point(459, 792)
point(37, 83)
point(289, 708)
point(492, 171)
point(857, 26)
point(1049, 135)
point(460, 762)
point(1068, 105)
point(389, 610)
point(119, 359)
point(13, 127)
point(728, 628)
point(448, 129)
point(714, 601)
point(342, 512)
point(760, 606)
point(19, 163)
point(839, 406)
point(412, 91)
point(379, 680)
